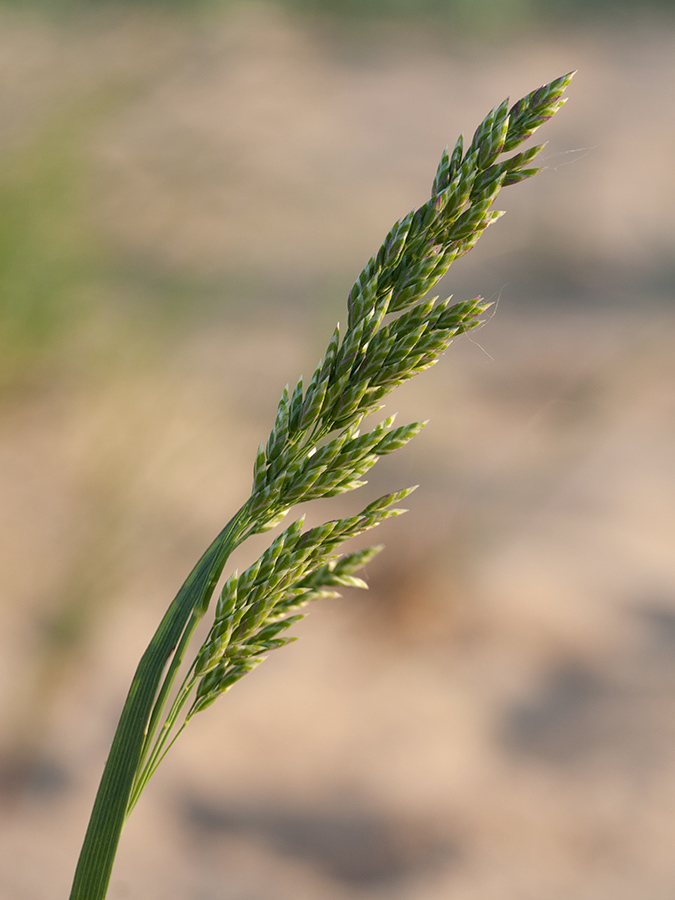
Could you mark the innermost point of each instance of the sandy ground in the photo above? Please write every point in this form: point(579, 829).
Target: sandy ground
point(494, 719)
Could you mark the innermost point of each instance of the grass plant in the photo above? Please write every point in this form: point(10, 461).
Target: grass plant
point(314, 450)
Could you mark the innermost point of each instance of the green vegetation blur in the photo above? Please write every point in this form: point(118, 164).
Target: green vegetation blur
point(57, 272)
point(473, 12)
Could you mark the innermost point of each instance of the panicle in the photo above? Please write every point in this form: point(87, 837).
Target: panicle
point(394, 331)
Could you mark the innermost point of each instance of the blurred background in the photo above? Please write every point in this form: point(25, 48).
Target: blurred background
point(188, 190)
